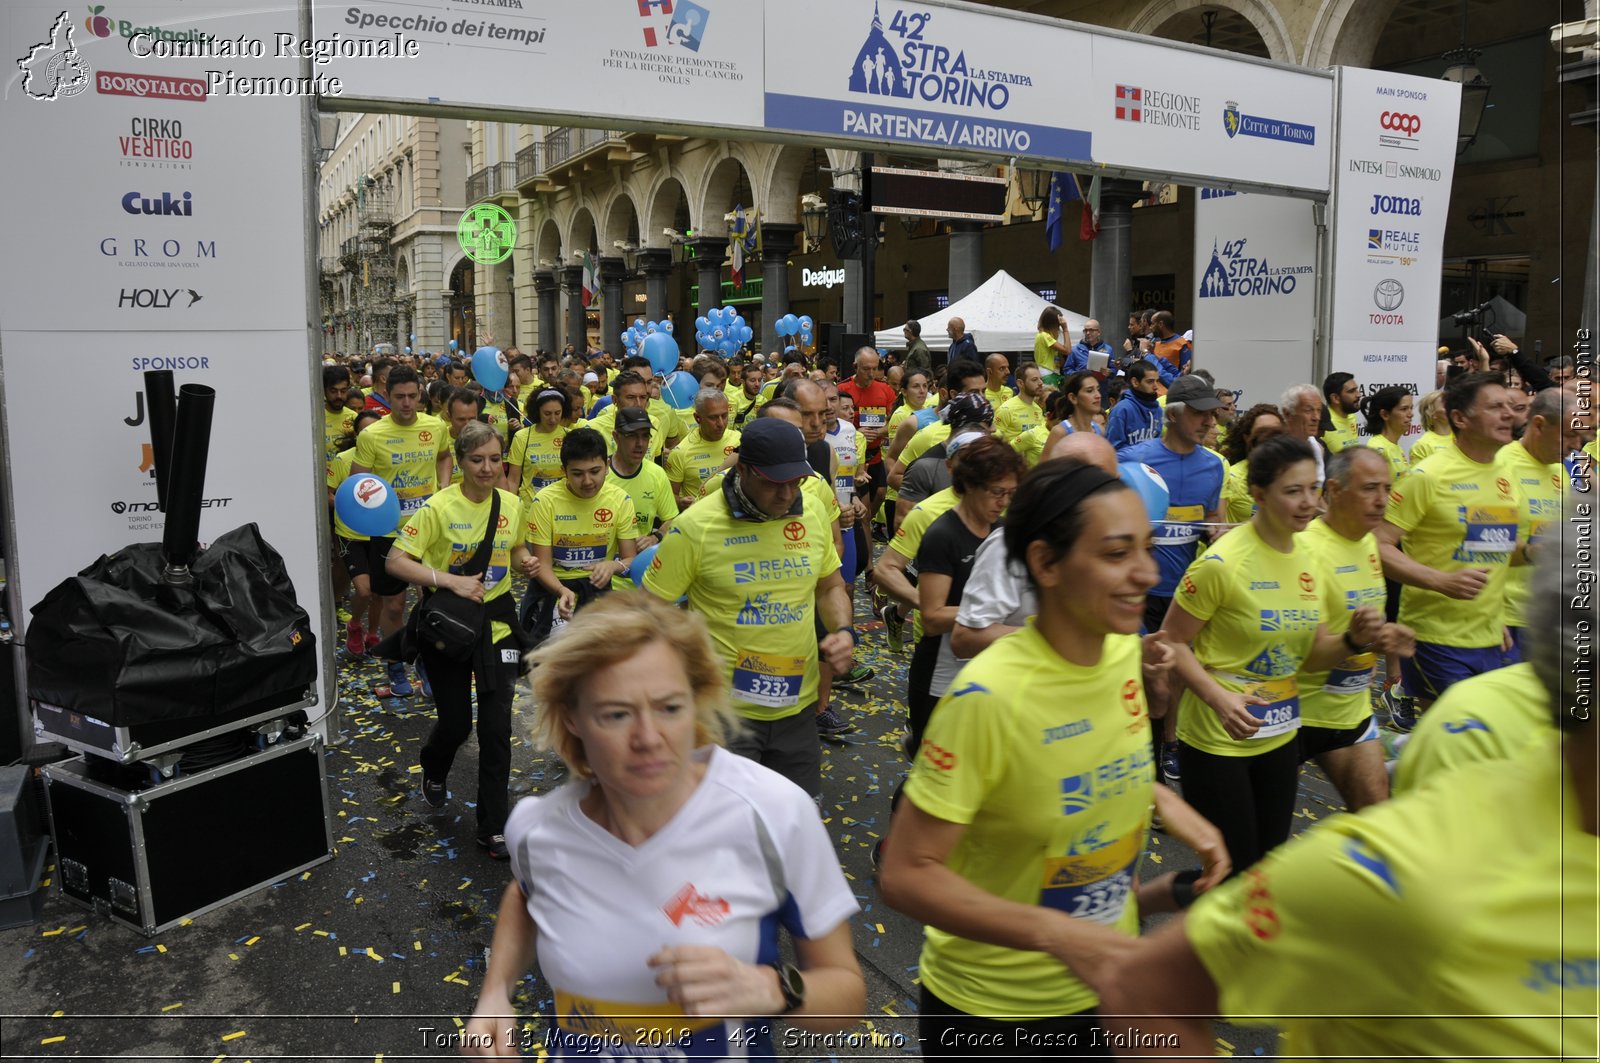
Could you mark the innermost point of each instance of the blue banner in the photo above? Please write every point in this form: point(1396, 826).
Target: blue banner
point(877, 122)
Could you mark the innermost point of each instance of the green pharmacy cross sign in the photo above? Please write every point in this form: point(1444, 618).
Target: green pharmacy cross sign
point(487, 234)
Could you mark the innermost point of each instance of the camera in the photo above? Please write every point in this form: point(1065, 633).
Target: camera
point(1478, 321)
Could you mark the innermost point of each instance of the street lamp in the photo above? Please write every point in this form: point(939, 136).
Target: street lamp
point(630, 254)
point(814, 217)
point(1462, 68)
point(1033, 188)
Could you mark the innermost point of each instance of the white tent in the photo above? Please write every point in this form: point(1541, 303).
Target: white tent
point(1001, 314)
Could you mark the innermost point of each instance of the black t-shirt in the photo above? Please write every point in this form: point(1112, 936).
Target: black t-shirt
point(948, 547)
point(820, 457)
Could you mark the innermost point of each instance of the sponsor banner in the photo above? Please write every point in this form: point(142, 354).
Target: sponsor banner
point(686, 62)
point(1255, 297)
point(1206, 116)
point(922, 74)
point(1392, 175)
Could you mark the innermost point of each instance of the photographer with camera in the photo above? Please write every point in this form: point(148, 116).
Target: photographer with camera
point(1480, 322)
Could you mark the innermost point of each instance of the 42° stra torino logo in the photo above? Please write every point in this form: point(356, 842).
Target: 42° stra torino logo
point(54, 69)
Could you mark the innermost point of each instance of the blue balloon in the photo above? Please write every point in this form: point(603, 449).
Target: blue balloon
point(702, 323)
point(638, 323)
point(662, 350)
point(805, 336)
point(413, 337)
point(367, 505)
point(632, 351)
point(745, 333)
point(668, 327)
point(679, 389)
point(651, 327)
point(641, 564)
point(452, 345)
point(806, 322)
point(738, 321)
point(1148, 485)
point(489, 368)
point(408, 350)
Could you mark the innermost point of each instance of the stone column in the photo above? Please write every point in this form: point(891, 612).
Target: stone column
point(777, 240)
point(1111, 270)
point(577, 321)
point(656, 263)
point(708, 255)
point(548, 291)
point(612, 271)
point(966, 259)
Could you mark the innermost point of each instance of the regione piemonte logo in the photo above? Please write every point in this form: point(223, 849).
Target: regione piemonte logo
point(673, 22)
point(1130, 101)
point(54, 69)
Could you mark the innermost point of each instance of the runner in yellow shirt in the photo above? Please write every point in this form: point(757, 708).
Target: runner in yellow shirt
point(1436, 427)
point(1556, 423)
point(535, 461)
point(581, 530)
point(704, 450)
point(408, 450)
point(645, 482)
point(996, 368)
point(911, 441)
point(337, 418)
point(1388, 413)
point(1343, 396)
point(349, 546)
point(744, 395)
point(1260, 422)
point(1024, 410)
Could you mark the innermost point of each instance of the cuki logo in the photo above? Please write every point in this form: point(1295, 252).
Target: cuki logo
point(794, 531)
point(602, 516)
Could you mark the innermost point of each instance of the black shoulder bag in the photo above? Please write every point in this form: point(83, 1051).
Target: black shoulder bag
point(449, 623)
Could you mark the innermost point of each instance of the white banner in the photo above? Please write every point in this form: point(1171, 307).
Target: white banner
point(156, 217)
point(1395, 160)
point(1255, 298)
point(641, 61)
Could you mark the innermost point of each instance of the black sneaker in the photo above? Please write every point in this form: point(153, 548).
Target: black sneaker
point(830, 723)
point(434, 792)
point(495, 846)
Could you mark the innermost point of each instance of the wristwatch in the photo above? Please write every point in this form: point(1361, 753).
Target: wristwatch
point(792, 985)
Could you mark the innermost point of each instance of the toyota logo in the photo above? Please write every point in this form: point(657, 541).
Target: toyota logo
point(1409, 124)
point(1307, 583)
point(602, 516)
point(1130, 697)
point(1389, 294)
point(794, 531)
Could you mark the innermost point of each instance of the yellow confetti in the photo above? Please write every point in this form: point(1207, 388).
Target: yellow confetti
point(57, 1014)
point(415, 769)
point(233, 955)
point(234, 1036)
point(75, 929)
point(301, 927)
point(53, 1040)
point(343, 951)
point(360, 899)
point(416, 946)
point(305, 875)
point(252, 941)
point(879, 926)
point(172, 1007)
point(1225, 1045)
point(373, 955)
point(53, 933)
point(320, 933)
point(396, 987)
point(346, 840)
point(464, 884)
point(161, 948)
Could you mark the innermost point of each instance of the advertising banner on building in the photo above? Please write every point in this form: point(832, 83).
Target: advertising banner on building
point(1255, 298)
point(140, 238)
point(1395, 158)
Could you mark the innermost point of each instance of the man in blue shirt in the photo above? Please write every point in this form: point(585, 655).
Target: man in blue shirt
point(1194, 478)
point(1137, 415)
point(1091, 343)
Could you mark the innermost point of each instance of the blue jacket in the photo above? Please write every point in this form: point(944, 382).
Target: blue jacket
point(1078, 360)
point(1133, 420)
point(1194, 485)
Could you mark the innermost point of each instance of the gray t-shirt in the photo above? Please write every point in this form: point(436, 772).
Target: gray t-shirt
point(995, 594)
point(927, 476)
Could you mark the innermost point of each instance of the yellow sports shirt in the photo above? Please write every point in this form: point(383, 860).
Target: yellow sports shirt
point(695, 458)
point(1493, 716)
point(1430, 442)
point(1344, 432)
point(1048, 765)
point(445, 533)
point(580, 532)
point(1542, 489)
point(538, 455)
point(406, 456)
point(1341, 698)
point(1016, 416)
point(1398, 465)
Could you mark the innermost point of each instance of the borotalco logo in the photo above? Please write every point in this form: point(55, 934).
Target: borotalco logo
point(1410, 206)
point(821, 278)
point(166, 87)
point(1387, 295)
point(1409, 124)
point(794, 531)
point(370, 492)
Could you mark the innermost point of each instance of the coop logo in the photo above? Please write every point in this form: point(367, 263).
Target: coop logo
point(1399, 130)
point(1236, 123)
point(53, 69)
point(116, 83)
point(1387, 295)
point(821, 278)
point(1154, 107)
point(922, 69)
point(1409, 206)
point(673, 23)
point(172, 254)
point(156, 143)
point(156, 298)
point(1232, 273)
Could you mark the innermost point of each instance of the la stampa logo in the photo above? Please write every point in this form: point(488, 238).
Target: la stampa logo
point(54, 69)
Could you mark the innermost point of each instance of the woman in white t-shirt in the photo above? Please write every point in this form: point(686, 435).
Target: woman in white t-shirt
point(650, 888)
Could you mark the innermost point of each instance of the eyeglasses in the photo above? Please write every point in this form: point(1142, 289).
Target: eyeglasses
point(1001, 494)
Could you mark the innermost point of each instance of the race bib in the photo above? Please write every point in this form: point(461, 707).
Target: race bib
point(579, 551)
point(1489, 530)
point(586, 1028)
point(768, 679)
point(412, 498)
point(873, 418)
point(1352, 675)
point(1281, 714)
point(1094, 885)
point(1176, 531)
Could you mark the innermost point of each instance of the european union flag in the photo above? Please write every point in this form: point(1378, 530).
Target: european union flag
point(1052, 214)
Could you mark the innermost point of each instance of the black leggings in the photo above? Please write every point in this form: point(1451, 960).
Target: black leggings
point(452, 694)
point(950, 1033)
point(1250, 799)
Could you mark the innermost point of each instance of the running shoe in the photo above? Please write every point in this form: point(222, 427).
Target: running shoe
point(1402, 709)
point(495, 845)
point(894, 624)
point(858, 674)
point(1169, 761)
point(830, 723)
point(434, 792)
point(399, 685)
point(422, 675)
point(373, 638)
point(355, 640)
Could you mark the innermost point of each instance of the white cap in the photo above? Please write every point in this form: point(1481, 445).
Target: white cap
point(960, 441)
point(591, 378)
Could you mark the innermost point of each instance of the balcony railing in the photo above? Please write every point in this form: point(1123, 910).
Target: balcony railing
point(528, 165)
point(492, 181)
point(350, 247)
point(565, 144)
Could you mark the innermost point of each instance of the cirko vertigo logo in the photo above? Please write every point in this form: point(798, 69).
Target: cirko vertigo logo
point(53, 69)
point(1387, 295)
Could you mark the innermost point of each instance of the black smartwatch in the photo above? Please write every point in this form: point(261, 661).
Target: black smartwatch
point(792, 985)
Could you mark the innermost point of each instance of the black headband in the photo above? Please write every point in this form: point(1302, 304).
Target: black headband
point(1072, 488)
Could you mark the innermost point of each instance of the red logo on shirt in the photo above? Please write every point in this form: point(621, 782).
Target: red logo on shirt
point(655, 563)
point(411, 530)
point(1131, 700)
point(794, 531)
point(1396, 496)
point(938, 756)
point(690, 903)
point(425, 436)
point(1261, 916)
point(602, 516)
point(728, 450)
point(1307, 584)
point(1504, 486)
point(366, 490)
point(1189, 587)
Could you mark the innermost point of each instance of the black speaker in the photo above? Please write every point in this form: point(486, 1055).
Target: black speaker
point(831, 337)
point(850, 343)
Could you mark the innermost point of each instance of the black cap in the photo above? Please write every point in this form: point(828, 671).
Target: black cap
point(633, 419)
point(968, 408)
point(1194, 393)
point(775, 449)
